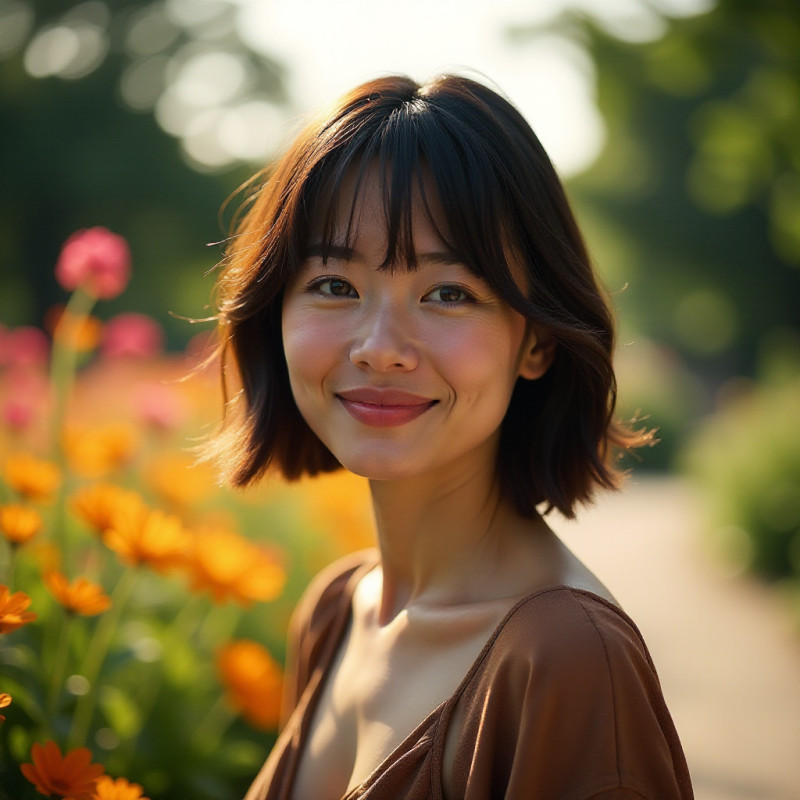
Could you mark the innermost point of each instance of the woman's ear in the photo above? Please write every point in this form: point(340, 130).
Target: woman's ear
point(538, 355)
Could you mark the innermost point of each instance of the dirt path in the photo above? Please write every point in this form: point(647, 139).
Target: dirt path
point(728, 658)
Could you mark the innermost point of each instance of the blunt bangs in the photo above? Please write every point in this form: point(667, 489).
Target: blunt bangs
point(419, 148)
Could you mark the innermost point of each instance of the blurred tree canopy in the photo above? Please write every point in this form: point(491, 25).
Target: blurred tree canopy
point(695, 202)
point(88, 92)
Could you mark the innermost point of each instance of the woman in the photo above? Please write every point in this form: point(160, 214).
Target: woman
point(408, 297)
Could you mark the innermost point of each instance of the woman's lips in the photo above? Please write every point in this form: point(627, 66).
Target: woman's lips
point(384, 408)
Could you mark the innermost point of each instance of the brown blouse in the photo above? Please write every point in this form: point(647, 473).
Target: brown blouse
point(563, 703)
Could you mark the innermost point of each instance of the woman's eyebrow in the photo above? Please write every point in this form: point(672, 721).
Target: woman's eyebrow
point(442, 257)
point(330, 251)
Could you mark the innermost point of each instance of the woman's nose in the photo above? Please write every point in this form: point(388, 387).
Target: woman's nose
point(383, 341)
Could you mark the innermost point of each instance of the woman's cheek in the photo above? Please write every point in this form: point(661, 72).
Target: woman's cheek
point(312, 345)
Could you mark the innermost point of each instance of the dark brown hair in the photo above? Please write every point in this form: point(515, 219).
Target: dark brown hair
point(506, 215)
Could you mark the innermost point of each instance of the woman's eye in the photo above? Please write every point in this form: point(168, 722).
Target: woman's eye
point(334, 287)
point(448, 294)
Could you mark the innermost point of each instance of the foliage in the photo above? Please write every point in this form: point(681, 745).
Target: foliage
point(136, 620)
point(746, 459)
point(702, 165)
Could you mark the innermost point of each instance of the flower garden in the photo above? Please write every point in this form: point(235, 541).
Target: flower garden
point(142, 607)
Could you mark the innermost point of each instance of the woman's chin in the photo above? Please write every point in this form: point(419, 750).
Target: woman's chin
point(380, 468)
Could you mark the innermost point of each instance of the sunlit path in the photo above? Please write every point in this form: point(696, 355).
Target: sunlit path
point(728, 658)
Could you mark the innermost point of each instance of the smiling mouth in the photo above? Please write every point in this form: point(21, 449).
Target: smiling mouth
point(384, 408)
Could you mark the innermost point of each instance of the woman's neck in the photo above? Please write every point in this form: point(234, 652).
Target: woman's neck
point(450, 540)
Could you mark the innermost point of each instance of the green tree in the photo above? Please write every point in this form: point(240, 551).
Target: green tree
point(699, 185)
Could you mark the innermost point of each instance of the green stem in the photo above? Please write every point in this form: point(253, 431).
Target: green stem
point(187, 620)
point(182, 628)
point(63, 368)
point(96, 656)
point(59, 665)
point(8, 578)
point(63, 363)
point(218, 625)
point(214, 724)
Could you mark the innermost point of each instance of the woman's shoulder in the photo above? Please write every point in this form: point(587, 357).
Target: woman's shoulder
point(318, 620)
point(567, 624)
point(567, 646)
point(566, 696)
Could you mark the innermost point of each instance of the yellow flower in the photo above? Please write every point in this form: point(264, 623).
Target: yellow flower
point(179, 480)
point(148, 537)
point(5, 702)
point(119, 789)
point(12, 610)
point(32, 477)
point(80, 597)
point(19, 523)
point(71, 775)
point(99, 504)
point(253, 681)
point(231, 567)
point(96, 451)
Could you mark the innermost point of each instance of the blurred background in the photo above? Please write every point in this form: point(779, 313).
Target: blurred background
point(676, 125)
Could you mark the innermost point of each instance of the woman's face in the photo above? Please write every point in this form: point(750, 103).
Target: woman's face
point(401, 373)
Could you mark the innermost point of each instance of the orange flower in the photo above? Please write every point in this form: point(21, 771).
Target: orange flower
point(231, 567)
point(79, 597)
point(5, 701)
point(32, 477)
point(99, 504)
point(12, 610)
point(19, 523)
point(148, 537)
point(179, 480)
point(119, 789)
point(253, 681)
point(339, 503)
point(96, 451)
point(72, 775)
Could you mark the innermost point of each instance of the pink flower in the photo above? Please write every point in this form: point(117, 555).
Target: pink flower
point(25, 346)
point(17, 414)
point(132, 334)
point(97, 260)
point(26, 393)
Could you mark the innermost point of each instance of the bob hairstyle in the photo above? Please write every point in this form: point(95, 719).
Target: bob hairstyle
point(503, 211)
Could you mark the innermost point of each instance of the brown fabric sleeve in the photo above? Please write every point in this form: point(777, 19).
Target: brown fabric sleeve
point(313, 632)
point(315, 614)
point(567, 706)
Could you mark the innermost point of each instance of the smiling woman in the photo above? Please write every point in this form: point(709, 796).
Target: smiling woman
point(408, 296)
